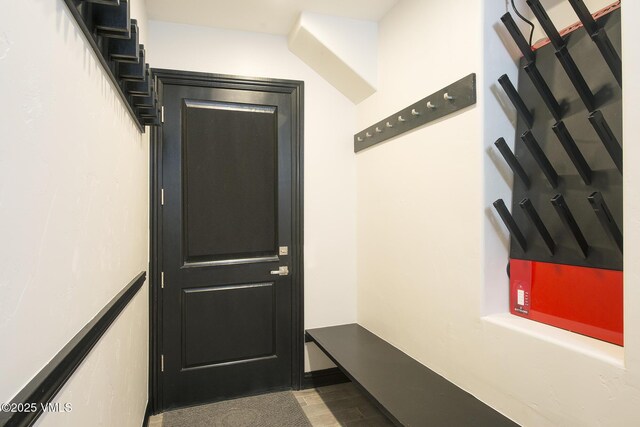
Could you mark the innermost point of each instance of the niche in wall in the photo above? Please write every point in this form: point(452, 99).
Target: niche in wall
point(566, 217)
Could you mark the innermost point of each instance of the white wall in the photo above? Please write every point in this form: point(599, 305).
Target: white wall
point(329, 165)
point(431, 258)
point(73, 213)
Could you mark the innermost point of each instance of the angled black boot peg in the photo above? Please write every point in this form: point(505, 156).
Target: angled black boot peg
point(543, 89)
point(540, 158)
point(561, 207)
point(111, 19)
point(606, 219)
point(512, 161)
point(573, 151)
point(533, 216)
point(607, 137)
point(516, 100)
point(125, 50)
point(510, 223)
point(600, 38)
point(133, 72)
point(517, 36)
point(562, 53)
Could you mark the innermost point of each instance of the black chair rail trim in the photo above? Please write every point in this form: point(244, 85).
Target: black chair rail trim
point(46, 384)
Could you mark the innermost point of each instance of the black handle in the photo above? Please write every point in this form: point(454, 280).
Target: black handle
point(535, 219)
point(510, 223)
point(561, 207)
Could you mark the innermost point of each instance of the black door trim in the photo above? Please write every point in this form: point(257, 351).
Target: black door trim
point(294, 88)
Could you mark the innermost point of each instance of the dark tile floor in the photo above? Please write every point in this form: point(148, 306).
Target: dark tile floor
point(336, 405)
point(340, 405)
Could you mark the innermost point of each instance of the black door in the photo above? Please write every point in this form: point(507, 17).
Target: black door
point(230, 289)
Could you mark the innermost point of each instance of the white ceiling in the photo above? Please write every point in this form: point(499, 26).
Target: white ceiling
point(265, 16)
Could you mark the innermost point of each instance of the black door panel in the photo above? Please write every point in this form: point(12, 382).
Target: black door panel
point(228, 325)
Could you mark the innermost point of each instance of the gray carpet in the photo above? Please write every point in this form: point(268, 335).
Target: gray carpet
point(268, 410)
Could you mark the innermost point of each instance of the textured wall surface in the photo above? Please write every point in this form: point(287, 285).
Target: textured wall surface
point(73, 211)
point(431, 276)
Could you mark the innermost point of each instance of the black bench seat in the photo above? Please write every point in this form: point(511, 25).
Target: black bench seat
point(409, 393)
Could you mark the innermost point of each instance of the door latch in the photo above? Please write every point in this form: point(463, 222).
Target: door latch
point(281, 271)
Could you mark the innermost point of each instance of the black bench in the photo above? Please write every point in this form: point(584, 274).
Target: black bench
point(409, 393)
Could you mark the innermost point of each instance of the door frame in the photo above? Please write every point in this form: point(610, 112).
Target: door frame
point(295, 89)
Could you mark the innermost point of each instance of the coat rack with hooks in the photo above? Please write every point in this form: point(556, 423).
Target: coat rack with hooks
point(447, 100)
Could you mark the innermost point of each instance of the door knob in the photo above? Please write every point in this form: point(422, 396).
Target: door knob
point(281, 271)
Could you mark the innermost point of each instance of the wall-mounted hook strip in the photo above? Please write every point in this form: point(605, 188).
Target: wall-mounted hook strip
point(111, 20)
point(517, 36)
point(607, 137)
point(606, 219)
point(562, 53)
point(600, 38)
point(535, 219)
point(541, 159)
point(543, 89)
point(512, 161)
point(461, 94)
point(573, 151)
point(561, 207)
point(510, 223)
point(516, 100)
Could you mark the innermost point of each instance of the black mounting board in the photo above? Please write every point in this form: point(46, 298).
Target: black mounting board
point(606, 179)
point(463, 93)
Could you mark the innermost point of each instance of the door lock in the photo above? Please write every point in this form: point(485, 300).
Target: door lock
point(281, 271)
